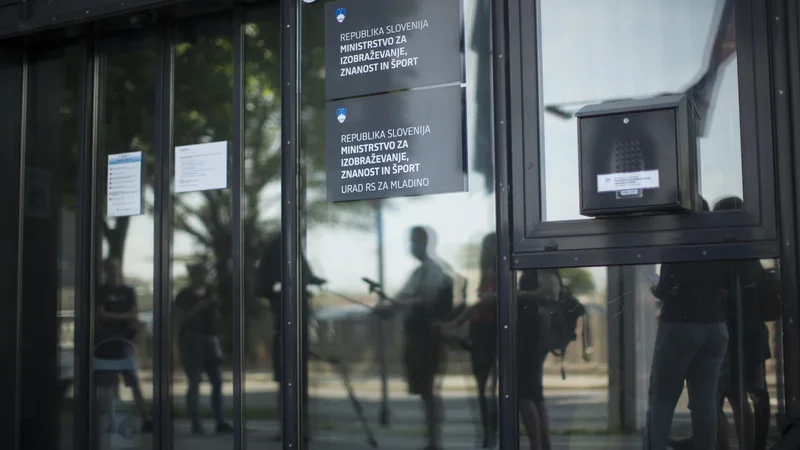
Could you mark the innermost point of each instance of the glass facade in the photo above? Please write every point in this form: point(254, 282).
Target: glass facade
point(182, 277)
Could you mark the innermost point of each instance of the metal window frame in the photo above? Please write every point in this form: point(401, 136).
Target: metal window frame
point(237, 181)
point(162, 265)
point(13, 65)
point(85, 247)
point(751, 232)
point(291, 201)
point(785, 39)
point(506, 78)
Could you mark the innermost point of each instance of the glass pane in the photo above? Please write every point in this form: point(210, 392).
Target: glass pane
point(674, 356)
point(594, 52)
point(202, 236)
point(123, 347)
point(262, 213)
point(389, 372)
point(49, 254)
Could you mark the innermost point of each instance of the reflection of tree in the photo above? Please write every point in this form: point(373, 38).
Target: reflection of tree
point(579, 280)
point(204, 113)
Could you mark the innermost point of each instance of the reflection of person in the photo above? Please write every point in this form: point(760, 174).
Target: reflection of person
point(269, 278)
point(534, 286)
point(691, 343)
point(424, 353)
point(743, 373)
point(483, 339)
point(197, 312)
point(118, 318)
point(746, 373)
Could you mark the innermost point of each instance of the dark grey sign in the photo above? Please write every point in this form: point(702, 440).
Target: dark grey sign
point(392, 145)
point(381, 46)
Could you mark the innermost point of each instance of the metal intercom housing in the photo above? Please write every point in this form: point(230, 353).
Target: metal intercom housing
point(638, 156)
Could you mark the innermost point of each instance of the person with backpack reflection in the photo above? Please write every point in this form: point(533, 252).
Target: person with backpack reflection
point(547, 316)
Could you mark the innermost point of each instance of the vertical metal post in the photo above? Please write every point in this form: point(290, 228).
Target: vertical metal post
point(14, 74)
point(291, 284)
point(615, 290)
point(162, 412)
point(783, 22)
point(237, 308)
point(85, 250)
point(26, 71)
point(504, 142)
point(382, 344)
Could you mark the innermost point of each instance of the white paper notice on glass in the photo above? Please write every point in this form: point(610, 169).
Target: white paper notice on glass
point(201, 167)
point(125, 184)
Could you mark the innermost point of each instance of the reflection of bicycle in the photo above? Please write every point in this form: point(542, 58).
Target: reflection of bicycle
point(345, 377)
point(118, 428)
point(447, 327)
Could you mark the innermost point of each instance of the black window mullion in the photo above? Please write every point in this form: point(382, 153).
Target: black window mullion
point(162, 412)
point(506, 50)
point(237, 309)
point(291, 289)
point(13, 73)
point(786, 61)
point(85, 248)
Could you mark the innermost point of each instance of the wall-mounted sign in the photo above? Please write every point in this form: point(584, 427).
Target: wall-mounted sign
point(407, 143)
point(380, 46)
point(124, 184)
point(201, 167)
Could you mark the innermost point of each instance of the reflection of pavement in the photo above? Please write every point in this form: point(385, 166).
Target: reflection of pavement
point(260, 435)
point(577, 408)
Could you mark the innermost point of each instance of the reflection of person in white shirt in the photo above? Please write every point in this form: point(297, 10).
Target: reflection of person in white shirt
point(424, 350)
point(422, 287)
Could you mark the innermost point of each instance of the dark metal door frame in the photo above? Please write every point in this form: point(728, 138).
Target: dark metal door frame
point(510, 18)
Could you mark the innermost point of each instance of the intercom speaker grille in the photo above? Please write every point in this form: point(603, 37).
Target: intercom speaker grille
point(628, 156)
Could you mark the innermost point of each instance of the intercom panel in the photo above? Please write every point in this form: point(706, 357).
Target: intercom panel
point(637, 156)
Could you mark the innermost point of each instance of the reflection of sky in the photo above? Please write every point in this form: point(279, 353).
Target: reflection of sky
point(592, 50)
point(597, 50)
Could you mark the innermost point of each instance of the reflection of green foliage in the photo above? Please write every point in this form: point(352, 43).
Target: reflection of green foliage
point(203, 112)
point(579, 280)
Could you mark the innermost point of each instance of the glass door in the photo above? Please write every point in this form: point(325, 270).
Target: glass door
point(47, 347)
point(125, 278)
point(397, 225)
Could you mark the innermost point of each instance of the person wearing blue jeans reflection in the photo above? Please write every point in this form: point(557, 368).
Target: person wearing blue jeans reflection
point(691, 343)
point(197, 313)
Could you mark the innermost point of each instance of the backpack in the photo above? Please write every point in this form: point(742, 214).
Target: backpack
point(443, 306)
point(768, 301)
point(558, 320)
point(452, 290)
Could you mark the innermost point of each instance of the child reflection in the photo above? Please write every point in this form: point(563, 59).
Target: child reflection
point(691, 343)
point(197, 311)
point(424, 353)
